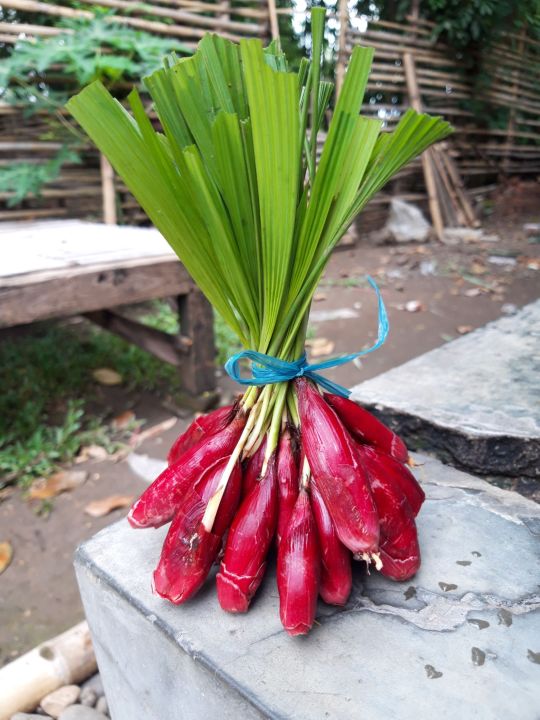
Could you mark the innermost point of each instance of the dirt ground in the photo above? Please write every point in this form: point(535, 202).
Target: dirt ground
point(433, 294)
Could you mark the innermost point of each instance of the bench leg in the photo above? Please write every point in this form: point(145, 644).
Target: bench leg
point(197, 323)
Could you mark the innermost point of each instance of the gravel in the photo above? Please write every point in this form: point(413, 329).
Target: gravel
point(81, 712)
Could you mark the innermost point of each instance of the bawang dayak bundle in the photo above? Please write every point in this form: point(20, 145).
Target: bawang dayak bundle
point(235, 182)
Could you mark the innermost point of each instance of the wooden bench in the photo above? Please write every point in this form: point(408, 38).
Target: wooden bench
point(54, 269)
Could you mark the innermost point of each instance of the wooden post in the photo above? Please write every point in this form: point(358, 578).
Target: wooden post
point(343, 17)
point(197, 323)
point(274, 25)
point(427, 166)
point(511, 128)
point(108, 191)
point(226, 15)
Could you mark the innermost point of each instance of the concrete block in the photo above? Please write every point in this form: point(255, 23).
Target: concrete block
point(474, 401)
point(460, 640)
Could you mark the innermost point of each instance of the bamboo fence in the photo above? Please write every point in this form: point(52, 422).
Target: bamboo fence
point(410, 67)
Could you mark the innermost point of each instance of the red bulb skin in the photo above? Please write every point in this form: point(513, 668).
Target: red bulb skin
point(337, 471)
point(190, 550)
point(399, 549)
point(298, 569)
point(401, 557)
point(367, 428)
point(379, 464)
point(202, 426)
point(160, 501)
point(254, 465)
point(252, 530)
point(336, 571)
point(287, 478)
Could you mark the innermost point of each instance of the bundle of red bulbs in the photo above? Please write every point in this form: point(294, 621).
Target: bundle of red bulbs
point(336, 487)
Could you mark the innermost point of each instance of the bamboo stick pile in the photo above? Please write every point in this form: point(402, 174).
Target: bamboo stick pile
point(410, 66)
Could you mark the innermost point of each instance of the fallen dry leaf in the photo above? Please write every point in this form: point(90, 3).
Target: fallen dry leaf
point(6, 555)
point(120, 422)
point(100, 508)
point(478, 269)
point(45, 488)
point(464, 329)
point(106, 376)
point(320, 346)
point(92, 452)
point(473, 292)
point(319, 296)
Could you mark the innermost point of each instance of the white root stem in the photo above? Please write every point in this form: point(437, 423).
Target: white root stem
point(256, 432)
point(213, 504)
point(306, 474)
point(369, 558)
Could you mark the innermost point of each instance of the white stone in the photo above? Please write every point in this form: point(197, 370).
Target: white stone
point(88, 697)
point(457, 641)
point(102, 705)
point(81, 712)
point(93, 683)
point(58, 700)
point(406, 222)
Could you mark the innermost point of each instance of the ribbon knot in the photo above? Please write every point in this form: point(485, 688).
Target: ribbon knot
point(266, 369)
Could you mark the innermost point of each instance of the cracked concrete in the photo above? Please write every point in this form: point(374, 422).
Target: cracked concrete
point(459, 640)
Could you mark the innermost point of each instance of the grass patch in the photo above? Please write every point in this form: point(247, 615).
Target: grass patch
point(50, 405)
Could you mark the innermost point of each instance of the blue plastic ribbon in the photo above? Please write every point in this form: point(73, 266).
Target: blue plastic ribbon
point(266, 369)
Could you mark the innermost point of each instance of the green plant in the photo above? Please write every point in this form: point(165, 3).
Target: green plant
point(41, 423)
point(49, 406)
point(24, 179)
point(86, 50)
point(39, 76)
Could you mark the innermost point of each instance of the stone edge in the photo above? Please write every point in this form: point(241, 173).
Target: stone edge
point(469, 451)
point(82, 559)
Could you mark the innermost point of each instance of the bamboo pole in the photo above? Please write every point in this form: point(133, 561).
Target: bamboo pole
point(152, 26)
point(416, 102)
point(343, 16)
point(66, 659)
point(512, 118)
point(108, 191)
point(457, 213)
point(183, 16)
point(459, 188)
point(274, 25)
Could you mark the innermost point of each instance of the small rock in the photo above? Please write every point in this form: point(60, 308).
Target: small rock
point(406, 222)
point(29, 716)
point(452, 236)
point(93, 683)
point(413, 306)
point(57, 701)
point(531, 228)
point(102, 705)
point(509, 309)
point(428, 267)
point(88, 697)
point(501, 260)
point(81, 712)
